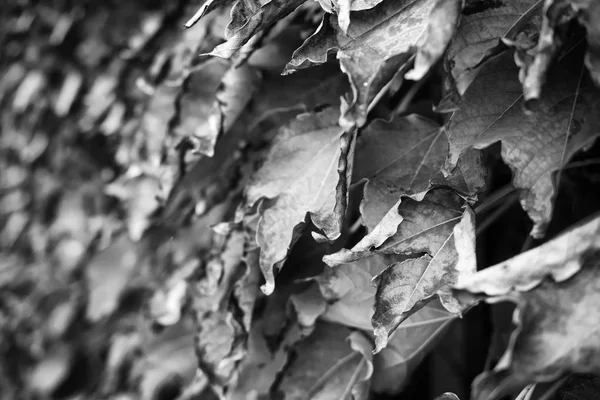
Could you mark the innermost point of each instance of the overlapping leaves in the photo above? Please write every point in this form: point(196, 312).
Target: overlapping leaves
point(556, 296)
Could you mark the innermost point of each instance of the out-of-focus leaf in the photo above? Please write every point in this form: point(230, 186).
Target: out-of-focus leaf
point(482, 24)
point(107, 276)
point(534, 146)
point(556, 330)
point(447, 396)
point(441, 28)
point(559, 258)
point(405, 287)
point(139, 195)
point(250, 17)
point(331, 363)
point(215, 96)
point(168, 359)
point(368, 53)
point(299, 176)
point(220, 336)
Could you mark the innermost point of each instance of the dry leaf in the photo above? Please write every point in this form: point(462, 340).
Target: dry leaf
point(368, 54)
point(441, 28)
point(405, 287)
point(299, 176)
point(533, 146)
point(331, 363)
point(250, 17)
point(482, 24)
point(559, 258)
point(556, 328)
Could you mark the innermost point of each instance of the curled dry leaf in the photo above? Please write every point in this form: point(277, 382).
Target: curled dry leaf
point(402, 159)
point(482, 24)
point(367, 53)
point(533, 146)
point(343, 8)
point(441, 28)
point(221, 330)
point(299, 176)
point(405, 287)
point(560, 258)
point(554, 30)
point(333, 362)
point(215, 95)
point(250, 17)
point(350, 297)
point(556, 326)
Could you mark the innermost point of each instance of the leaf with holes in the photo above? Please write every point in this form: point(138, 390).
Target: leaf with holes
point(533, 146)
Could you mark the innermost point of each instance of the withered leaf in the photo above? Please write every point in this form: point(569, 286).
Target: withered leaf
point(408, 346)
point(250, 17)
point(481, 27)
point(215, 96)
point(449, 247)
point(556, 330)
point(299, 176)
point(402, 158)
point(368, 53)
point(220, 333)
point(350, 295)
point(554, 30)
point(559, 258)
point(343, 7)
point(439, 207)
point(333, 362)
point(533, 146)
point(441, 28)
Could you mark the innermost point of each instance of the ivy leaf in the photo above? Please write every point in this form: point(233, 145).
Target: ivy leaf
point(556, 324)
point(482, 24)
point(398, 167)
point(299, 176)
point(441, 28)
point(221, 332)
point(368, 53)
point(554, 29)
point(408, 346)
point(533, 146)
point(405, 287)
point(559, 258)
point(215, 96)
point(250, 17)
point(343, 7)
point(333, 362)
